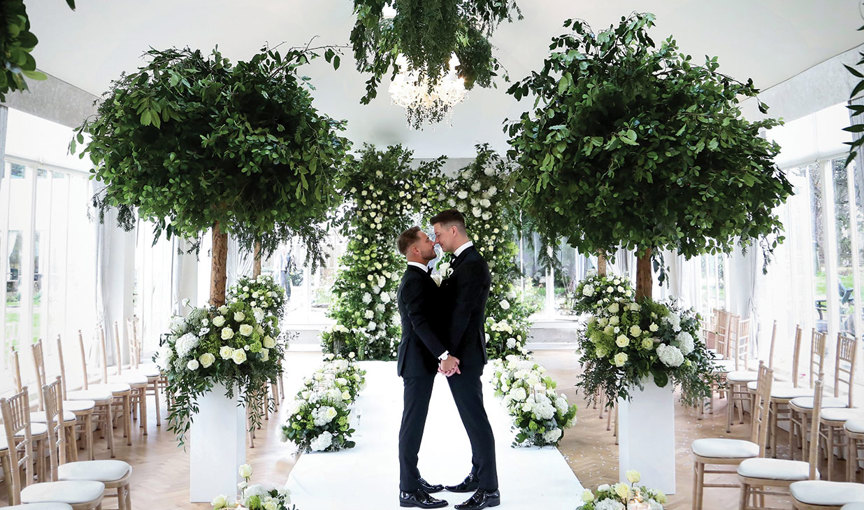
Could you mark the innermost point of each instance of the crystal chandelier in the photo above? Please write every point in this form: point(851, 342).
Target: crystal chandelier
point(424, 104)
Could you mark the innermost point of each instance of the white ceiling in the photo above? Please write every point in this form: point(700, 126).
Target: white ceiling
point(768, 40)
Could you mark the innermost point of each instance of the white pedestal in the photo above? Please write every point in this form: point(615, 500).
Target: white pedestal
point(646, 436)
point(217, 440)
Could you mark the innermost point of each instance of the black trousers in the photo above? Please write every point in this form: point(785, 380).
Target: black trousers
point(416, 396)
point(467, 391)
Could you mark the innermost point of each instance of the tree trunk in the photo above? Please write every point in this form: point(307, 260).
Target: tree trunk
point(256, 264)
point(218, 266)
point(601, 263)
point(644, 281)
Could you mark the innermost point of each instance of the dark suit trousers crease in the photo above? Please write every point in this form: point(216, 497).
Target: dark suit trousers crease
point(467, 392)
point(416, 395)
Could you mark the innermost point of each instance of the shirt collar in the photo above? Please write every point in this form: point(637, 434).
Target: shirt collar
point(462, 248)
point(419, 266)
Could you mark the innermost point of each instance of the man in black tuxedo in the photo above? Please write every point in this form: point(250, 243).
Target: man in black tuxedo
point(465, 292)
point(419, 354)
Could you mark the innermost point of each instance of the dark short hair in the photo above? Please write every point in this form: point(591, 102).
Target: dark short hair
point(407, 238)
point(449, 217)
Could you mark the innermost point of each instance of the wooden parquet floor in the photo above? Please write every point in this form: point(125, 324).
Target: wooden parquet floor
point(161, 472)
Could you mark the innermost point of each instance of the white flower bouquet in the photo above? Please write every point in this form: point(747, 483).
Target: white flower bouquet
point(596, 292)
point(621, 496)
point(319, 419)
point(262, 292)
point(539, 414)
point(234, 344)
point(626, 342)
point(256, 496)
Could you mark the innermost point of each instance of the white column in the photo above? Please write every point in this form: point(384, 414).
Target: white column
point(646, 436)
point(856, 260)
point(217, 440)
point(832, 281)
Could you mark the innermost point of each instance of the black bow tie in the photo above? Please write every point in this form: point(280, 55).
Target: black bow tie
point(429, 270)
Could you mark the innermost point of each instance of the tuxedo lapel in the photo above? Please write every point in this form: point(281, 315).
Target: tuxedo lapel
point(458, 260)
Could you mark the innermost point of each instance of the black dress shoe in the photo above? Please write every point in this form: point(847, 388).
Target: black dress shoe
point(481, 499)
point(429, 488)
point(468, 485)
point(420, 499)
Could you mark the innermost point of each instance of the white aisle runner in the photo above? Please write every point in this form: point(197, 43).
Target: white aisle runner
point(366, 477)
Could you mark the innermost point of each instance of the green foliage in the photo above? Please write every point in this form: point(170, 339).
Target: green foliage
point(857, 129)
point(483, 192)
point(16, 44)
point(633, 145)
point(626, 343)
point(235, 345)
point(427, 33)
point(190, 140)
point(384, 195)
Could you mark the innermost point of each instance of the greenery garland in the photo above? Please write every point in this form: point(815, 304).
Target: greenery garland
point(16, 44)
point(385, 195)
point(482, 192)
point(627, 342)
point(427, 33)
point(235, 345)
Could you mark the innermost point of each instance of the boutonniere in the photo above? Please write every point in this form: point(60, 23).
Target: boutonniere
point(443, 272)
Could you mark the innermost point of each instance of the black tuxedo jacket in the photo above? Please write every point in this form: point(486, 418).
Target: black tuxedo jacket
point(464, 294)
point(419, 305)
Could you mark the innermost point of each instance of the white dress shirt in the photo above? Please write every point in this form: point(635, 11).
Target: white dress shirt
point(420, 266)
point(462, 248)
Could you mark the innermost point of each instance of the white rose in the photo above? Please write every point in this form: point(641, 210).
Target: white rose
point(226, 352)
point(462, 195)
point(246, 329)
point(239, 316)
point(477, 212)
point(219, 502)
point(613, 308)
point(218, 321)
point(239, 356)
point(505, 305)
point(269, 342)
point(207, 359)
point(245, 471)
point(369, 314)
point(227, 333)
point(192, 365)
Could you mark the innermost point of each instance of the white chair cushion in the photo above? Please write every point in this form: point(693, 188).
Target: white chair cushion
point(725, 448)
point(146, 371)
point(112, 387)
point(807, 402)
point(91, 394)
point(36, 429)
point(841, 413)
point(787, 391)
point(822, 492)
point(855, 425)
point(129, 378)
point(742, 376)
point(853, 506)
point(774, 469)
point(40, 417)
point(63, 492)
point(3, 445)
point(40, 506)
point(99, 470)
point(78, 405)
point(726, 365)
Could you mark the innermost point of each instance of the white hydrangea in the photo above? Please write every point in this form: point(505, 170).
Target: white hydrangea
point(588, 290)
point(371, 326)
point(385, 298)
point(608, 504)
point(670, 355)
point(673, 320)
point(462, 195)
point(185, 344)
point(518, 394)
point(543, 410)
point(163, 358)
point(511, 343)
point(322, 442)
point(551, 436)
point(685, 342)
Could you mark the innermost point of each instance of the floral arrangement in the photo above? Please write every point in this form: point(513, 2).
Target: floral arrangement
point(626, 342)
point(599, 291)
point(262, 292)
point(621, 496)
point(235, 344)
point(539, 414)
point(319, 418)
point(384, 192)
point(483, 193)
point(257, 496)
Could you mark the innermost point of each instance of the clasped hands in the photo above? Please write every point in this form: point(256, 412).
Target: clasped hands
point(449, 366)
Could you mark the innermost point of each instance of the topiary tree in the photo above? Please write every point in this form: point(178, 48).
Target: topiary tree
point(428, 33)
point(634, 145)
point(482, 192)
point(193, 142)
point(385, 194)
point(16, 43)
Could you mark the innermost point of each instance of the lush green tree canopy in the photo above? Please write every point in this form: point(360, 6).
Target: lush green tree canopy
point(191, 140)
point(632, 144)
